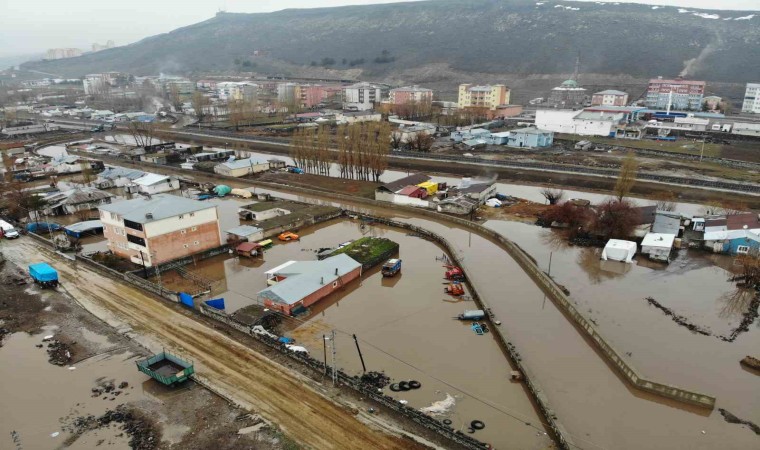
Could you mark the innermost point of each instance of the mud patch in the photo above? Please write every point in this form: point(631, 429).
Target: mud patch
point(143, 433)
point(747, 319)
point(730, 418)
point(59, 353)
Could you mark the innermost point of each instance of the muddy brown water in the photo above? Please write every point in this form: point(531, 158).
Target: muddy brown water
point(36, 395)
point(406, 328)
point(598, 408)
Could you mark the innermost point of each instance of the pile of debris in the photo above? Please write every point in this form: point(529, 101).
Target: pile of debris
point(143, 435)
point(58, 352)
point(375, 379)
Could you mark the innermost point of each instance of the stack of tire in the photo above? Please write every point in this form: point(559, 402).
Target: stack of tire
point(403, 386)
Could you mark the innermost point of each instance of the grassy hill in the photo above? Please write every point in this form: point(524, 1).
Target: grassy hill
point(491, 36)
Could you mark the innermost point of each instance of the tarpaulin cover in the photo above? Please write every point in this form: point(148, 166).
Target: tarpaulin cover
point(43, 272)
point(217, 303)
point(222, 190)
point(186, 299)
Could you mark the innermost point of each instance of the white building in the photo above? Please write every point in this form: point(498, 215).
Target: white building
point(241, 167)
point(287, 93)
point(658, 246)
point(349, 118)
point(362, 96)
point(153, 183)
point(752, 99)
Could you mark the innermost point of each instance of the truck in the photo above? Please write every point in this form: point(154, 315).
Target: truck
point(43, 274)
point(391, 267)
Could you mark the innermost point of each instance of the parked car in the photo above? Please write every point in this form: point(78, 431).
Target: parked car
point(288, 236)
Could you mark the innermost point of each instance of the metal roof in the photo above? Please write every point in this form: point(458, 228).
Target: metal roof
point(415, 179)
point(241, 163)
point(610, 92)
point(118, 172)
point(660, 240)
point(530, 130)
point(307, 277)
point(158, 206)
point(84, 226)
point(243, 230)
point(150, 179)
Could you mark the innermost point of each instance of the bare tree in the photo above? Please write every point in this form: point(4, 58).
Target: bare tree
point(553, 196)
point(422, 142)
point(627, 177)
point(615, 219)
point(199, 102)
point(142, 132)
point(175, 98)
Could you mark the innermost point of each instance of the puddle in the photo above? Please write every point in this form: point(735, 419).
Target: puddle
point(37, 395)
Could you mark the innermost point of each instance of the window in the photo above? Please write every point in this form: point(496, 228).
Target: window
point(742, 249)
point(192, 214)
point(133, 225)
point(182, 231)
point(194, 229)
point(181, 216)
point(186, 246)
point(136, 240)
point(196, 243)
point(335, 284)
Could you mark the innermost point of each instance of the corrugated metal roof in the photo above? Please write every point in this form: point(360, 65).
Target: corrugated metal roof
point(150, 179)
point(415, 179)
point(244, 230)
point(159, 206)
point(242, 163)
point(307, 277)
point(84, 226)
point(661, 240)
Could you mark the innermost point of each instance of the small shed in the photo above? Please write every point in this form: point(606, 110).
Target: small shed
point(414, 191)
point(430, 186)
point(246, 233)
point(249, 249)
point(619, 250)
point(658, 246)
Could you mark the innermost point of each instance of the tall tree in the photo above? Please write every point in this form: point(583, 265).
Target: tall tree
point(199, 102)
point(627, 177)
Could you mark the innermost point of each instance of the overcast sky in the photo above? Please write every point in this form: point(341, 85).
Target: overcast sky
point(32, 26)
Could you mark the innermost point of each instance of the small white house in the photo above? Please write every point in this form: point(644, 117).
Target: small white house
point(658, 246)
point(153, 183)
point(619, 250)
point(241, 167)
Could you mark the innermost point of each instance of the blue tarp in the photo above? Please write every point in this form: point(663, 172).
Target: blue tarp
point(186, 299)
point(36, 227)
point(217, 303)
point(82, 228)
point(42, 272)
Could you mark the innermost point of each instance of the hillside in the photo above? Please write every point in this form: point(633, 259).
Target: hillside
point(491, 36)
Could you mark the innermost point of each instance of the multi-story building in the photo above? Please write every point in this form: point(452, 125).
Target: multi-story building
point(314, 94)
point(156, 229)
point(97, 83)
point(752, 99)
point(609, 97)
point(410, 94)
point(676, 94)
point(62, 53)
point(288, 93)
point(569, 94)
point(98, 47)
point(486, 96)
point(244, 91)
point(362, 96)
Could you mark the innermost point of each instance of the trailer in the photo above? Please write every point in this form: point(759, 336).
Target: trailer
point(391, 267)
point(166, 368)
point(43, 274)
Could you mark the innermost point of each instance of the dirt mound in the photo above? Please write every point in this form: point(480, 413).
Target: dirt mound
point(143, 434)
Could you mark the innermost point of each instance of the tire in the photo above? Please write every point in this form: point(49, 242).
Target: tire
point(404, 386)
point(471, 430)
point(414, 384)
point(447, 421)
point(394, 387)
point(477, 425)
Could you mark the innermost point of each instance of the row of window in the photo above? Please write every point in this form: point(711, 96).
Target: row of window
point(116, 230)
point(185, 230)
point(194, 243)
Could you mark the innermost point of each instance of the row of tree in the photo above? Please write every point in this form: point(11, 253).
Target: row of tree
point(362, 150)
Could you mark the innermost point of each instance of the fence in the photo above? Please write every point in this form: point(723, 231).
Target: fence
point(354, 383)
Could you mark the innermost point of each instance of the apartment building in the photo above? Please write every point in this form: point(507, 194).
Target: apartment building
point(678, 94)
point(751, 102)
point(155, 229)
point(609, 97)
point(362, 96)
point(410, 94)
point(484, 96)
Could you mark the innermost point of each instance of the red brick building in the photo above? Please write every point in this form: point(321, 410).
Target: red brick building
point(153, 230)
point(299, 284)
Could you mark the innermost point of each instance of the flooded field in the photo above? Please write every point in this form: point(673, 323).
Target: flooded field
point(405, 327)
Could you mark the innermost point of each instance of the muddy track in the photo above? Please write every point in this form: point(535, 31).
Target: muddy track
point(241, 373)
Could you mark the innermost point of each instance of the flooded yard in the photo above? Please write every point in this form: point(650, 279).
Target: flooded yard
point(405, 326)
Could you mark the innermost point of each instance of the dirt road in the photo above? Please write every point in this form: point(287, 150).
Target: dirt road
point(237, 371)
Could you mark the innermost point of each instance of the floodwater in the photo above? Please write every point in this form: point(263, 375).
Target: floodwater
point(36, 394)
point(405, 327)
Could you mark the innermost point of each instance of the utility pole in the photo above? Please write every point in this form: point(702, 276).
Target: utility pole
point(550, 263)
point(702, 153)
point(332, 342)
point(324, 344)
point(364, 368)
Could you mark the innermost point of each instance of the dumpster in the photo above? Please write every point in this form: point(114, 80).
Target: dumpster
point(166, 368)
point(43, 274)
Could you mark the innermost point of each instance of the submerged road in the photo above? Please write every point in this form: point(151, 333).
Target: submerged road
point(240, 373)
point(597, 407)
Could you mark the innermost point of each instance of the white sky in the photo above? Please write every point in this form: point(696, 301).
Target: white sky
point(32, 26)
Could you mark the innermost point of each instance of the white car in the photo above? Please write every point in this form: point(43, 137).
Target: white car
point(11, 233)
